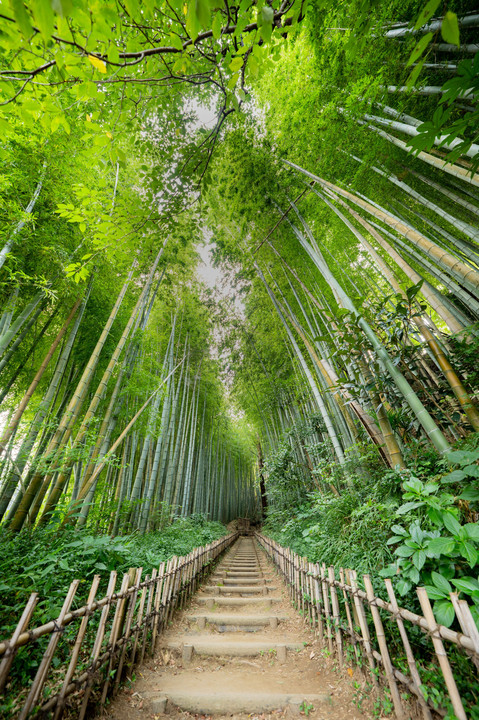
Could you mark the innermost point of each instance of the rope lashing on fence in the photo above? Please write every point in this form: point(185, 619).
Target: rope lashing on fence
point(340, 608)
point(142, 610)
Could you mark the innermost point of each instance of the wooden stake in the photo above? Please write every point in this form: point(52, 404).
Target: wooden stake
point(11, 651)
point(441, 654)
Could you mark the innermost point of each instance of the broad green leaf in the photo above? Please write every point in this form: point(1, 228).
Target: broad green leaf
point(444, 612)
point(451, 523)
point(62, 7)
point(418, 559)
point(450, 28)
point(419, 49)
point(433, 592)
point(175, 41)
point(442, 545)
point(399, 530)
point(97, 63)
point(43, 16)
point(472, 531)
point(407, 507)
point(426, 13)
point(403, 551)
point(216, 26)
point(470, 494)
point(236, 64)
point(441, 582)
point(454, 476)
point(466, 584)
point(22, 18)
point(267, 15)
point(469, 552)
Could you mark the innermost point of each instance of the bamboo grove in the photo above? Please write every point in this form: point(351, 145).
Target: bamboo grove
point(338, 185)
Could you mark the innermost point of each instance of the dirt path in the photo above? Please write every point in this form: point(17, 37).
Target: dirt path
point(238, 651)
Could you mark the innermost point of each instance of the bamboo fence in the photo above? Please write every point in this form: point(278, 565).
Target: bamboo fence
point(358, 627)
point(95, 643)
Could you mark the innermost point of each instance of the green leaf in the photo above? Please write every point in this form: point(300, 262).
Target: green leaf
point(267, 15)
point(470, 494)
point(217, 26)
point(62, 7)
point(411, 81)
point(466, 584)
point(469, 552)
point(450, 28)
point(454, 476)
point(444, 612)
point(418, 559)
point(399, 530)
point(236, 64)
point(472, 531)
point(441, 583)
point(407, 507)
point(451, 523)
point(43, 16)
point(419, 49)
point(403, 551)
point(433, 592)
point(22, 18)
point(426, 13)
point(442, 545)
point(176, 41)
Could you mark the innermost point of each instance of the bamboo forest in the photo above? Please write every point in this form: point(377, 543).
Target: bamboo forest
point(239, 342)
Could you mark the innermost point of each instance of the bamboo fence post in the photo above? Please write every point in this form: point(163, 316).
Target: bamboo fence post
point(157, 577)
point(409, 654)
point(364, 627)
point(468, 626)
point(115, 629)
point(311, 594)
point(383, 648)
point(327, 609)
point(336, 615)
point(42, 671)
point(98, 643)
point(151, 595)
point(76, 649)
point(319, 602)
point(441, 654)
point(347, 609)
point(127, 629)
point(11, 651)
point(139, 617)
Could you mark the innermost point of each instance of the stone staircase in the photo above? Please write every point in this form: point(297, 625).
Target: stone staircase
point(242, 612)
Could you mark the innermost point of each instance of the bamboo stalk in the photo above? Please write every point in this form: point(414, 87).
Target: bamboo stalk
point(364, 627)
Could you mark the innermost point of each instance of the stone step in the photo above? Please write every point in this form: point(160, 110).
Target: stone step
point(213, 645)
point(236, 601)
point(233, 622)
point(251, 589)
point(203, 702)
point(227, 580)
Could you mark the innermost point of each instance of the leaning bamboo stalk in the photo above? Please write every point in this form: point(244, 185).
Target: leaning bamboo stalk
point(10, 653)
point(441, 654)
point(42, 671)
point(383, 648)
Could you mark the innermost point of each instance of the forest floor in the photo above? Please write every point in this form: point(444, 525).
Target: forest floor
point(237, 664)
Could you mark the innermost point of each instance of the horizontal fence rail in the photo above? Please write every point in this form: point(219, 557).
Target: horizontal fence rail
point(357, 626)
point(89, 647)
